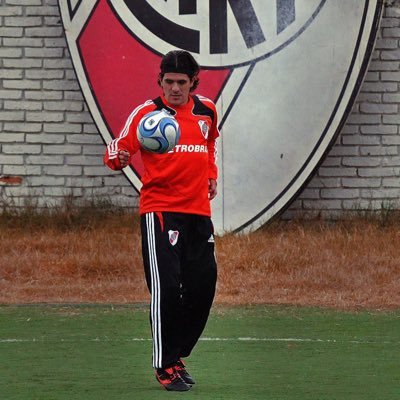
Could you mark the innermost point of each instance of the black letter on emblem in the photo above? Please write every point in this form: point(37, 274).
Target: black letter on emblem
point(187, 7)
point(286, 14)
point(177, 35)
point(246, 19)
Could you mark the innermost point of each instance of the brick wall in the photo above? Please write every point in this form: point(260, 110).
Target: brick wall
point(50, 148)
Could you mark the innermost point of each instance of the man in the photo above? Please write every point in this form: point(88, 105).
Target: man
point(177, 232)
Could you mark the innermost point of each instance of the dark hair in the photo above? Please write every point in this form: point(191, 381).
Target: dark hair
point(180, 61)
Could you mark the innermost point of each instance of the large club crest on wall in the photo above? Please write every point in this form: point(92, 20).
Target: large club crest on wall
point(283, 73)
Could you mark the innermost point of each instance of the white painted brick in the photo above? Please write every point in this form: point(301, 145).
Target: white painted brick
point(44, 74)
point(344, 151)
point(9, 52)
point(44, 53)
point(97, 150)
point(45, 160)
point(310, 193)
point(22, 105)
point(58, 63)
point(378, 172)
point(379, 129)
point(384, 65)
point(391, 119)
point(386, 44)
point(369, 97)
point(43, 95)
point(73, 95)
point(390, 55)
point(84, 160)
point(324, 182)
point(18, 191)
point(379, 108)
point(90, 128)
point(5, 10)
point(361, 119)
point(385, 193)
point(21, 84)
point(10, 94)
point(52, 21)
point(23, 42)
point(96, 171)
point(11, 137)
point(343, 193)
point(391, 97)
point(357, 206)
point(56, 191)
point(44, 116)
point(62, 149)
point(11, 32)
point(391, 32)
point(322, 204)
point(11, 116)
point(63, 105)
point(361, 161)
point(378, 150)
point(24, 2)
point(47, 181)
point(85, 139)
point(22, 63)
point(22, 21)
point(47, 10)
point(361, 182)
point(361, 139)
point(339, 172)
point(25, 170)
point(64, 170)
point(21, 148)
point(391, 140)
point(381, 87)
point(45, 138)
point(391, 182)
point(11, 159)
point(350, 129)
point(83, 117)
point(391, 161)
point(55, 42)
point(332, 162)
point(62, 128)
point(44, 32)
point(84, 182)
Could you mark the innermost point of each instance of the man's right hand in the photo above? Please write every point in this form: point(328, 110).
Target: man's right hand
point(123, 157)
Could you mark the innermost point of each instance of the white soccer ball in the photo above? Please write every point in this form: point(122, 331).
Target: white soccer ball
point(158, 132)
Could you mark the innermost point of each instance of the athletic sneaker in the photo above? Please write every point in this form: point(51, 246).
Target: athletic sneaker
point(171, 380)
point(180, 368)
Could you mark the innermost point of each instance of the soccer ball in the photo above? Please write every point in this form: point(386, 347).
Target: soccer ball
point(158, 132)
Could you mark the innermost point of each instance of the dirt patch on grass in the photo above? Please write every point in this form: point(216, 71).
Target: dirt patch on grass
point(343, 265)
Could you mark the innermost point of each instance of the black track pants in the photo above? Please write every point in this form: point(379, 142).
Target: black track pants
point(181, 274)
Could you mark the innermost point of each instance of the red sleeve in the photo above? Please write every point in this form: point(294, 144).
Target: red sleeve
point(212, 148)
point(127, 139)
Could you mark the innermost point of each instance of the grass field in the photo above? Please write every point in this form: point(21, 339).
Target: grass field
point(258, 352)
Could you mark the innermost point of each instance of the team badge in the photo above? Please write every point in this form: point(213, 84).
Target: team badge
point(173, 237)
point(283, 74)
point(204, 128)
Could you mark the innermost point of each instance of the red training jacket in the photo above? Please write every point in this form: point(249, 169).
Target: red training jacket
point(178, 180)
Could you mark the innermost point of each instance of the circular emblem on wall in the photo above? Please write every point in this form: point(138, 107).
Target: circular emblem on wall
point(283, 74)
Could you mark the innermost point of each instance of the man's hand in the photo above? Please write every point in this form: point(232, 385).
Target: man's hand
point(212, 188)
point(124, 157)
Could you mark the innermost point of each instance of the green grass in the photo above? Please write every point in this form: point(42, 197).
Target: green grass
point(92, 352)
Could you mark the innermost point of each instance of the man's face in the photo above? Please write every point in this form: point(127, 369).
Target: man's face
point(176, 88)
